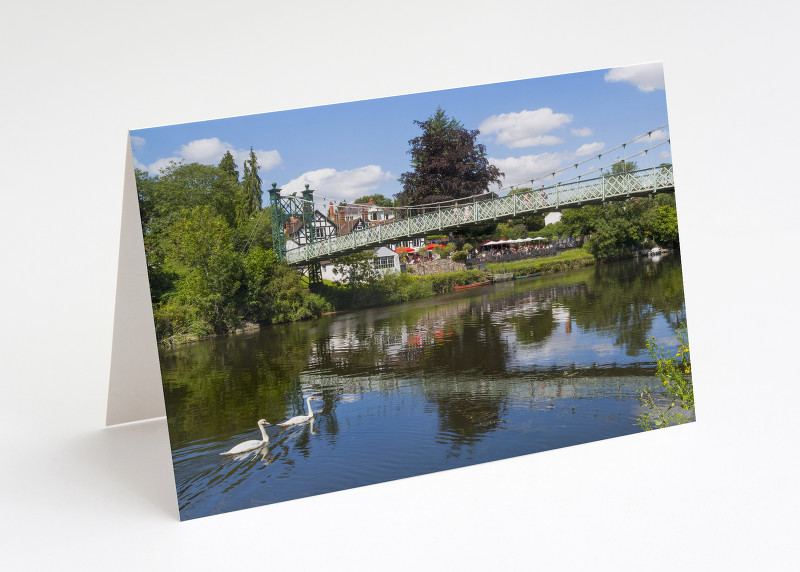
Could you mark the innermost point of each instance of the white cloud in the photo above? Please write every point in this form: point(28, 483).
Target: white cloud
point(525, 128)
point(137, 141)
point(589, 149)
point(210, 151)
point(155, 167)
point(665, 155)
point(340, 185)
point(582, 132)
point(655, 137)
point(646, 77)
point(518, 169)
point(527, 167)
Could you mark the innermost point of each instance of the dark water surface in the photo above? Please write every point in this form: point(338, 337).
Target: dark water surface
point(465, 378)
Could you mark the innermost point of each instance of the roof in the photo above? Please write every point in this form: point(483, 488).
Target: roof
point(348, 226)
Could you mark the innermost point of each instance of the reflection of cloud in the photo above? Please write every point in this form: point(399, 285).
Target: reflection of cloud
point(646, 77)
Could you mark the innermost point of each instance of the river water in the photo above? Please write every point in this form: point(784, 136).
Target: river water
point(470, 377)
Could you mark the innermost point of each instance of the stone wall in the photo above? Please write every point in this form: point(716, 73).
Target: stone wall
point(440, 266)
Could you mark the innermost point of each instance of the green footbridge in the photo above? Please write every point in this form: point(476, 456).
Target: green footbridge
point(437, 218)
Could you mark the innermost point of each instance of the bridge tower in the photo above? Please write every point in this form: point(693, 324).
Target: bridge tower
point(284, 208)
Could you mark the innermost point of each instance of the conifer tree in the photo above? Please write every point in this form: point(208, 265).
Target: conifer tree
point(251, 182)
point(228, 165)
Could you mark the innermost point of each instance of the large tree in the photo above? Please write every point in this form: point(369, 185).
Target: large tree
point(448, 164)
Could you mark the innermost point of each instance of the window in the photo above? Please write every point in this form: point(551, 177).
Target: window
point(319, 232)
point(384, 262)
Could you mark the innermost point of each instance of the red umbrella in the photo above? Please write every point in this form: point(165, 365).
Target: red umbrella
point(403, 250)
point(432, 246)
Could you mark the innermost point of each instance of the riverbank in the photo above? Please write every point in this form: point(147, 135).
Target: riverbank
point(394, 288)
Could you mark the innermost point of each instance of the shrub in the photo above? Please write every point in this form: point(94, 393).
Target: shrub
point(674, 373)
point(459, 256)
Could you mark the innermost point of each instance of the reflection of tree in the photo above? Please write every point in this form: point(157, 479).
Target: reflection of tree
point(623, 299)
point(469, 407)
point(222, 386)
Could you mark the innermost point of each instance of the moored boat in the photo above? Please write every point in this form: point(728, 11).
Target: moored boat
point(468, 286)
point(527, 275)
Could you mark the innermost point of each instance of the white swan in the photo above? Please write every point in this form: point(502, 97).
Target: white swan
point(251, 445)
point(300, 418)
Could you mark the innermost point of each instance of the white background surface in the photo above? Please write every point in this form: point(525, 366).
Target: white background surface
point(719, 494)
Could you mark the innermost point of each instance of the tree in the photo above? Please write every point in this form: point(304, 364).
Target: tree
point(228, 165)
point(377, 199)
point(447, 163)
point(251, 183)
point(620, 167)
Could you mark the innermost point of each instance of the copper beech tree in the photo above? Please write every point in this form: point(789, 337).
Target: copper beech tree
point(447, 163)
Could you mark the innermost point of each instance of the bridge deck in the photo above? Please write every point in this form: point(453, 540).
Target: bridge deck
point(552, 198)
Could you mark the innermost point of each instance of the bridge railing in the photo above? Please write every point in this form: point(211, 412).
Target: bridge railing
point(545, 199)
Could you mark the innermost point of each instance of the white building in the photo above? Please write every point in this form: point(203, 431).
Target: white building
point(552, 217)
point(384, 260)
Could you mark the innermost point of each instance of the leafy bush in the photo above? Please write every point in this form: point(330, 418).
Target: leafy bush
point(459, 256)
point(674, 373)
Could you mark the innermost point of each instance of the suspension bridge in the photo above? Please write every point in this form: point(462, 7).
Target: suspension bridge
point(418, 221)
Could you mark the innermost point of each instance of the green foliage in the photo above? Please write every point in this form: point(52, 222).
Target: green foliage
point(251, 184)
point(358, 269)
point(621, 167)
point(567, 260)
point(674, 372)
point(377, 199)
point(616, 228)
point(468, 247)
point(208, 254)
point(459, 256)
point(511, 230)
point(228, 165)
point(447, 163)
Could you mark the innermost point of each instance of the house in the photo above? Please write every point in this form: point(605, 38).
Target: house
point(296, 231)
point(384, 260)
point(369, 212)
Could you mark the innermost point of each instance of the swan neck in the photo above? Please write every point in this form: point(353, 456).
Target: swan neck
point(308, 406)
point(264, 436)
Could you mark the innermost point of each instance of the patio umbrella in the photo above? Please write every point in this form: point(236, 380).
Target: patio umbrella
point(403, 250)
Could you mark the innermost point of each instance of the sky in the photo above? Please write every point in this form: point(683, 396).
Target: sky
point(530, 128)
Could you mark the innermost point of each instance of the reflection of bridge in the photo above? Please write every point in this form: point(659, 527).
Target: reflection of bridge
point(437, 218)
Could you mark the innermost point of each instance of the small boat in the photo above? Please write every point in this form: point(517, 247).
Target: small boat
point(527, 275)
point(467, 286)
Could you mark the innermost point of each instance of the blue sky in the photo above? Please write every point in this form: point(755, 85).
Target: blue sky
point(344, 151)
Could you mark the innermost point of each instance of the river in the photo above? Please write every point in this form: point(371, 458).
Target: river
point(470, 377)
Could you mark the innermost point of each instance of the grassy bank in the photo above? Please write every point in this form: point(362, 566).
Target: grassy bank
point(395, 288)
point(567, 260)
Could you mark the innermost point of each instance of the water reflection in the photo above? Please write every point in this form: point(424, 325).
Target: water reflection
point(469, 377)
